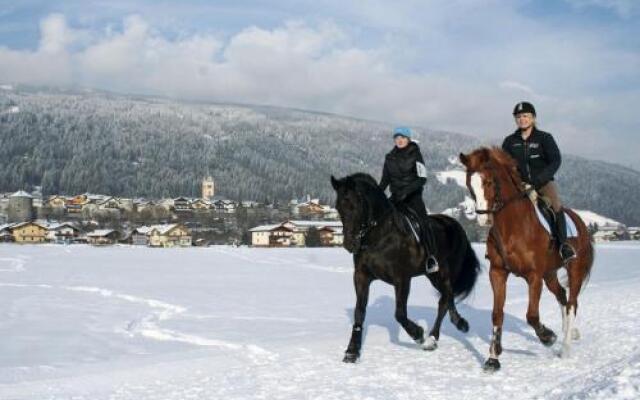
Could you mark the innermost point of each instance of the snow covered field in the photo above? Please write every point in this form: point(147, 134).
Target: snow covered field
point(79, 322)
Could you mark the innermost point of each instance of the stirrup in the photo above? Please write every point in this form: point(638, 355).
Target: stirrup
point(432, 265)
point(567, 252)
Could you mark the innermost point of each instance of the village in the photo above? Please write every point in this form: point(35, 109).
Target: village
point(102, 220)
point(181, 222)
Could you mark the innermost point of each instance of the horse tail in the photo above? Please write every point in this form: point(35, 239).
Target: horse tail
point(590, 258)
point(466, 280)
point(586, 240)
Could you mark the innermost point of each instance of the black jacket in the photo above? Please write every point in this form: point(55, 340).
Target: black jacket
point(538, 157)
point(404, 171)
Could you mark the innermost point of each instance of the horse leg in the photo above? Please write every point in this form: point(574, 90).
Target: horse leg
point(456, 319)
point(431, 343)
point(361, 281)
point(498, 277)
point(546, 335)
point(402, 288)
point(575, 284)
point(552, 283)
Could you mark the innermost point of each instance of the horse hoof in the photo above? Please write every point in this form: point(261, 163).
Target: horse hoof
point(566, 351)
point(491, 365)
point(463, 325)
point(430, 344)
point(548, 338)
point(350, 358)
point(575, 334)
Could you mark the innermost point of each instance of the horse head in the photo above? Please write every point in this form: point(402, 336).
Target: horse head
point(491, 178)
point(357, 201)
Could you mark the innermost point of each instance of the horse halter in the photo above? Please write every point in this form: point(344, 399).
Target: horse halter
point(498, 202)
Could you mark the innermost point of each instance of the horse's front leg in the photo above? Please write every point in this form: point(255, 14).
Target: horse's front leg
point(498, 277)
point(546, 335)
point(402, 288)
point(361, 281)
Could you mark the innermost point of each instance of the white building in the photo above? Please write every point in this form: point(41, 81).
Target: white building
point(294, 233)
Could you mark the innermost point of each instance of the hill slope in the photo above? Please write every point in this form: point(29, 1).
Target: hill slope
point(74, 142)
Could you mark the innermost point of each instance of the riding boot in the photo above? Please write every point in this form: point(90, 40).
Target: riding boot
point(428, 240)
point(567, 253)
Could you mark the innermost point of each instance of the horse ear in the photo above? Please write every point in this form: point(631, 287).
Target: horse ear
point(464, 159)
point(335, 183)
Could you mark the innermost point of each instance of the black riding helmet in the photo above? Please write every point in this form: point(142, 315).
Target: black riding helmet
point(524, 107)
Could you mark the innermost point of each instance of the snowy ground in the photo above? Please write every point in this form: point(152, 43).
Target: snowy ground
point(79, 322)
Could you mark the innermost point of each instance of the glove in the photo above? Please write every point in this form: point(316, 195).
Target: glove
point(527, 188)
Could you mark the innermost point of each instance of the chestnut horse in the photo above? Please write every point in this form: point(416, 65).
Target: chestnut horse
point(519, 245)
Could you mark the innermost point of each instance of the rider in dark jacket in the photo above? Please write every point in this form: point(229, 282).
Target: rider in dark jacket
point(538, 159)
point(405, 173)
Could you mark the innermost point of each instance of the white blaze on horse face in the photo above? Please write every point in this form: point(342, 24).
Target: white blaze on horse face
point(481, 199)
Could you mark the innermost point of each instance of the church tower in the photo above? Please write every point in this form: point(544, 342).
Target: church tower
point(208, 188)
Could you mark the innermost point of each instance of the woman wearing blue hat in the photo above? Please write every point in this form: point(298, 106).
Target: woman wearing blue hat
point(405, 173)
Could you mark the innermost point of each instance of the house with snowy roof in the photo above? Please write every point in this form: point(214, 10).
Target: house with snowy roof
point(165, 235)
point(56, 202)
point(62, 233)
point(276, 235)
point(200, 204)
point(294, 233)
point(634, 232)
point(28, 232)
point(311, 208)
point(5, 233)
point(102, 237)
point(225, 206)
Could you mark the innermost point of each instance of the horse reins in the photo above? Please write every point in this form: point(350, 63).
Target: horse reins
point(367, 225)
point(498, 203)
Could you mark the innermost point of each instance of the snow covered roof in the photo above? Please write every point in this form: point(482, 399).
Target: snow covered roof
point(162, 229)
point(5, 227)
point(20, 224)
point(54, 226)
point(317, 224)
point(590, 217)
point(21, 193)
point(100, 233)
point(267, 228)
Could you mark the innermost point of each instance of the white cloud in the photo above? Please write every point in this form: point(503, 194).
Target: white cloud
point(319, 67)
point(55, 34)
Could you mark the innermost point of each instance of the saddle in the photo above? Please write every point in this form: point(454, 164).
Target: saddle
point(412, 222)
point(547, 217)
point(544, 207)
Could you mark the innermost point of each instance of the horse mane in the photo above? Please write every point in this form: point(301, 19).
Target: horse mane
point(363, 178)
point(503, 160)
point(368, 186)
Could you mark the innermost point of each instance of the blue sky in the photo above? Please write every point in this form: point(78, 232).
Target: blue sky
point(454, 65)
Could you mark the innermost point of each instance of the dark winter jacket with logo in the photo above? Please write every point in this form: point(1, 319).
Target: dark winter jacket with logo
point(404, 171)
point(538, 157)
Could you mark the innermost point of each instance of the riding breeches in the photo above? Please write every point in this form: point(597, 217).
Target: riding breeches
point(550, 190)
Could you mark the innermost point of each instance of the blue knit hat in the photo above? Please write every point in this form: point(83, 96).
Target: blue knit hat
point(402, 131)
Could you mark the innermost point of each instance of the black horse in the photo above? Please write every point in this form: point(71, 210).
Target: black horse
point(384, 247)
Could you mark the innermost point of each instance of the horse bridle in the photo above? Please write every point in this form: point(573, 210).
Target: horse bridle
point(498, 202)
point(366, 225)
